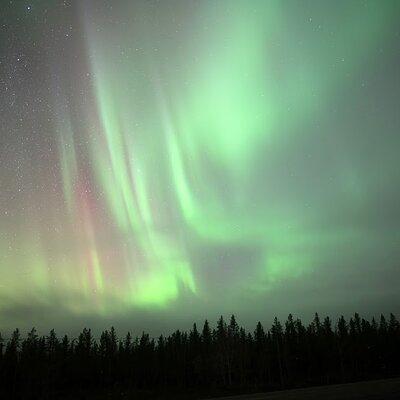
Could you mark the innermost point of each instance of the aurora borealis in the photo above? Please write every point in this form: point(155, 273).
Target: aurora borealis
point(176, 160)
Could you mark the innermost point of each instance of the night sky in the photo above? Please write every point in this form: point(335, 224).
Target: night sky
point(162, 162)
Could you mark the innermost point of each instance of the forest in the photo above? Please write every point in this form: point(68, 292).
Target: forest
point(205, 361)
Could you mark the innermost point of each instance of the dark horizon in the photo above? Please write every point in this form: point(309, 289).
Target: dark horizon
point(209, 360)
point(164, 162)
point(168, 327)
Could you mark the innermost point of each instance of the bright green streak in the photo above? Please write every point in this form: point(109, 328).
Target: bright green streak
point(185, 148)
point(239, 104)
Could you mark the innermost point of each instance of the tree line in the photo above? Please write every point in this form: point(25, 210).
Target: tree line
point(211, 360)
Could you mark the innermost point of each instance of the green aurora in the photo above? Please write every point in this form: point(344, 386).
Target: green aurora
point(198, 158)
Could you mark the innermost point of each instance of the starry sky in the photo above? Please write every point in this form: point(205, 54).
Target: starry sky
point(162, 162)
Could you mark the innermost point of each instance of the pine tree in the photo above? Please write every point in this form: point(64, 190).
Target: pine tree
point(226, 356)
point(1, 346)
point(342, 335)
point(277, 337)
point(52, 343)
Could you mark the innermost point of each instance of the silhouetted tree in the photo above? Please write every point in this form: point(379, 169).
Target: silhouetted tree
point(226, 358)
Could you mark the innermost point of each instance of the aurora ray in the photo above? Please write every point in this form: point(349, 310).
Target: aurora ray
point(197, 156)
